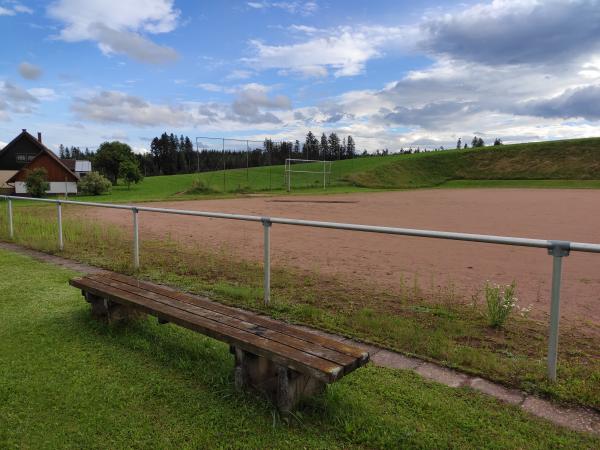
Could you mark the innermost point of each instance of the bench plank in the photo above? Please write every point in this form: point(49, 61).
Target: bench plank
point(266, 322)
point(347, 362)
point(303, 362)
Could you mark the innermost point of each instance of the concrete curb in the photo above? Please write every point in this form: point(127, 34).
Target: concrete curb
point(574, 418)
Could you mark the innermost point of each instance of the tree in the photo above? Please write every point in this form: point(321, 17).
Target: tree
point(477, 142)
point(110, 156)
point(350, 147)
point(459, 143)
point(129, 171)
point(334, 145)
point(324, 147)
point(497, 141)
point(36, 182)
point(311, 146)
point(94, 184)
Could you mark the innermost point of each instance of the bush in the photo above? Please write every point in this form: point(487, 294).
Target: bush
point(94, 184)
point(500, 303)
point(36, 182)
point(200, 187)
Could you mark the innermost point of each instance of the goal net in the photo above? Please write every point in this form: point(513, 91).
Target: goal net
point(311, 172)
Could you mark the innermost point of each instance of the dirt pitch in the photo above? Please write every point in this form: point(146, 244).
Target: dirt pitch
point(437, 264)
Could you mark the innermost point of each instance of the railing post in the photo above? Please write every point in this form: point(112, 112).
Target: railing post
point(136, 240)
point(60, 227)
point(558, 250)
point(11, 228)
point(267, 259)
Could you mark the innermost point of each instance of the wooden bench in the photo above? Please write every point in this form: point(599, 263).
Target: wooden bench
point(283, 361)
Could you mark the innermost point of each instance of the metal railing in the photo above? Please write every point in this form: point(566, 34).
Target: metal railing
point(556, 248)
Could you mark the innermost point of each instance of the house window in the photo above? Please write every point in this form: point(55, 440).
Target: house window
point(25, 157)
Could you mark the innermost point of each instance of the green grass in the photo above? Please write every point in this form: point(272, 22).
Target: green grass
point(577, 159)
point(435, 323)
point(553, 164)
point(67, 381)
point(520, 184)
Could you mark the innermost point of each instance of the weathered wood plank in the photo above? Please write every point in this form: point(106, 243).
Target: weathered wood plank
point(349, 363)
point(280, 353)
point(263, 321)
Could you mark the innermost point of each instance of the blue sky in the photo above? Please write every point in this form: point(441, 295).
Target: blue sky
point(390, 73)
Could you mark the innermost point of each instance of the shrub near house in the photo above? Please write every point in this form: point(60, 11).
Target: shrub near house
point(94, 184)
point(37, 182)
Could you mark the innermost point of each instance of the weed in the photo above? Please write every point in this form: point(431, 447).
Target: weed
point(200, 186)
point(500, 302)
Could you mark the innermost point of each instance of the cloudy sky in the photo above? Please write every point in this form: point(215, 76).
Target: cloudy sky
point(391, 73)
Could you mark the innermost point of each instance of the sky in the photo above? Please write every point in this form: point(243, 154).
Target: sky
point(390, 73)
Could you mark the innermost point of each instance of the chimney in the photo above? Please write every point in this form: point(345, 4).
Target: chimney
point(24, 130)
point(39, 137)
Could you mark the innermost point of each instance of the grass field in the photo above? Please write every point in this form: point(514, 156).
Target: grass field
point(67, 381)
point(443, 326)
point(554, 164)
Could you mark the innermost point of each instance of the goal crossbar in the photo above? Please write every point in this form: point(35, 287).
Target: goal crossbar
point(324, 165)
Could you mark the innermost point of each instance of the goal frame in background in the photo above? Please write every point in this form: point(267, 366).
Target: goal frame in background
point(326, 170)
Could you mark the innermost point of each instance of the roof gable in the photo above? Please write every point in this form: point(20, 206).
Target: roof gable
point(23, 135)
point(45, 152)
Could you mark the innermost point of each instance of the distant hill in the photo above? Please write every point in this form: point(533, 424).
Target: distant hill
point(577, 159)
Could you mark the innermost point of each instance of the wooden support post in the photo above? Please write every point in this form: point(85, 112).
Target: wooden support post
point(109, 311)
point(284, 387)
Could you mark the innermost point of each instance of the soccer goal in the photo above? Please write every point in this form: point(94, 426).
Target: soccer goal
point(320, 171)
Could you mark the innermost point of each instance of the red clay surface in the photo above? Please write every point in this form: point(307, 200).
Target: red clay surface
point(536, 213)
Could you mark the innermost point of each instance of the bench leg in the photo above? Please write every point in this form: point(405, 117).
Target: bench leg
point(293, 386)
point(109, 311)
point(284, 387)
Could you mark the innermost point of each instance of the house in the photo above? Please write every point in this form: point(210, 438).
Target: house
point(80, 167)
point(25, 153)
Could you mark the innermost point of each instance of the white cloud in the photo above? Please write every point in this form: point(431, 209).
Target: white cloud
point(117, 25)
point(212, 87)
point(515, 31)
point(345, 50)
point(119, 107)
point(22, 9)
point(2, 143)
point(29, 71)
point(239, 74)
point(305, 8)
point(14, 9)
point(44, 94)
point(15, 99)
point(252, 106)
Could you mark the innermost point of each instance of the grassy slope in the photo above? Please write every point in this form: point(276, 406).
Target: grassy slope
point(524, 164)
point(69, 382)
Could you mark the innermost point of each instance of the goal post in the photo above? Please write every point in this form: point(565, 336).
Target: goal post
point(307, 166)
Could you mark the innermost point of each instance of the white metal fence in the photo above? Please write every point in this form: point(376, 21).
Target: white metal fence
point(555, 248)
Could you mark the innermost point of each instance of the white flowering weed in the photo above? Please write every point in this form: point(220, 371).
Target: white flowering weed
point(500, 302)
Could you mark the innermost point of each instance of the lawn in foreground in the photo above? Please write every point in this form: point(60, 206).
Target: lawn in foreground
point(432, 324)
point(68, 381)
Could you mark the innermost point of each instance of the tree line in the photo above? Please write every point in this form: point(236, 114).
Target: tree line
point(170, 154)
